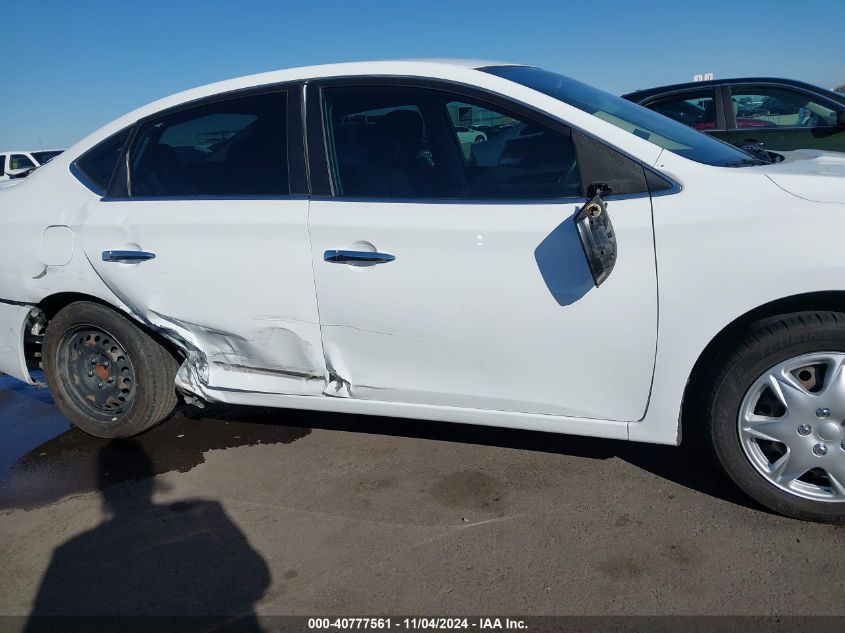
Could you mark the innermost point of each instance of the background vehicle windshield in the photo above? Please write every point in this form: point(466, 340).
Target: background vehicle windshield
point(633, 118)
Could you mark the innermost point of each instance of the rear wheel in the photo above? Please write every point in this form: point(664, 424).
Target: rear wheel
point(109, 377)
point(777, 415)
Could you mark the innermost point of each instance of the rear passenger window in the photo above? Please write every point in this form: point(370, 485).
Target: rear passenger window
point(405, 142)
point(99, 162)
point(236, 147)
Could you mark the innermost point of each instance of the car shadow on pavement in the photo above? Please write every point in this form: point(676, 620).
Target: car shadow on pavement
point(185, 560)
point(42, 472)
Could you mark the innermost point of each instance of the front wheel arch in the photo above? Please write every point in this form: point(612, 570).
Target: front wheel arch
point(726, 340)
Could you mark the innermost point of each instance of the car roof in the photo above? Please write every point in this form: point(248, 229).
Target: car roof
point(323, 71)
point(387, 67)
point(467, 71)
point(639, 95)
point(464, 63)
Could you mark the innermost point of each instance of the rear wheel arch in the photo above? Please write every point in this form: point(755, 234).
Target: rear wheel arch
point(709, 361)
point(52, 304)
point(107, 375)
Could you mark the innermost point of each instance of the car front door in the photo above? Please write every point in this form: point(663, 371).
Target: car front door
point(783, 118)
point(451, 273)
point(207, 239)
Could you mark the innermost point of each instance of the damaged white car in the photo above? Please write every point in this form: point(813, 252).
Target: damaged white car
point(324, 238)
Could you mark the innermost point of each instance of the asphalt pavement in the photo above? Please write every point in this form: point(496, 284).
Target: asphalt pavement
point(260, 512)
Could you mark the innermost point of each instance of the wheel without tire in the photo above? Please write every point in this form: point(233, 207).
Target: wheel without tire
point(109, 377)
point(776, 415)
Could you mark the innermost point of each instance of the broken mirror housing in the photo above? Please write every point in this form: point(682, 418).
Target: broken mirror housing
point(595, 231)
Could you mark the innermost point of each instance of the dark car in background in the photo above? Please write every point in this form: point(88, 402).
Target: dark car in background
point(779, 114)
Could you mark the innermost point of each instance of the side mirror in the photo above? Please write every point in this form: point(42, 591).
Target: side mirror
point(757, 151)
point(19, 173)
point(598, 239)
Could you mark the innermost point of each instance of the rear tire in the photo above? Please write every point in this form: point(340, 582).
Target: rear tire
point(108, 377)
point(776, 430)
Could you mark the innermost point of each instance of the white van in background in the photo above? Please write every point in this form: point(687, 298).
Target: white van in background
point(13, 161)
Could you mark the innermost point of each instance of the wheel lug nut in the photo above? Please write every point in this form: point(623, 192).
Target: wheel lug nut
point(106, 364)
point(111, 380)
point(100, 385)
point(822, 412)
point(93, 360)
point(820, 450)
point(804, 429)
point(90, 374)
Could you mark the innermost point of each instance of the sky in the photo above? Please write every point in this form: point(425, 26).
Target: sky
point(78, 65)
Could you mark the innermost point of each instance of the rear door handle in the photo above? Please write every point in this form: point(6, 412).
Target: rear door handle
point(357, 257)
point(127, 257)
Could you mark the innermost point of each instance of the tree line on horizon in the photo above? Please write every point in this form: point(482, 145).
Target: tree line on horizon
point(841, 89)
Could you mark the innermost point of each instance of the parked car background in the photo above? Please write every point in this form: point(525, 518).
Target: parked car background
point(12, 161)
point(779, 114)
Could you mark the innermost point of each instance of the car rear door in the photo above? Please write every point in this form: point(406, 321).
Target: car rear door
point(204, 234)
point(449, 272)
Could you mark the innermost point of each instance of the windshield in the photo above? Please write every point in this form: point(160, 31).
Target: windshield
point(45, 156)
point(633, 118)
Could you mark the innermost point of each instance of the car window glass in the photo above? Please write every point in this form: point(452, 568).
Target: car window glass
point(631, 117)
point(379, 143)
point(20, 161)
point(506, 157)
point(779, 107)
point(99, 162)
point(403, 142)
point(45, 157)
point(232, 148)
point(696, 110)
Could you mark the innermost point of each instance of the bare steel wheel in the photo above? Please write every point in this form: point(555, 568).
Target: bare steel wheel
point(775, 414)
point(792, 426)
point(97, 371)
point(107, 375)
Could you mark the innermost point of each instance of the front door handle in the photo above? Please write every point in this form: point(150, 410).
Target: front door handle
point(357, 257)
point(127, 257)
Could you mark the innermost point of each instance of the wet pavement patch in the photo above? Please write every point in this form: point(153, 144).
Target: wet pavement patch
point(43, 458)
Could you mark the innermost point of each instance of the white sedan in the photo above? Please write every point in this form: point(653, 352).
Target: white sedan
point(470, 135)
point(315, 238)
